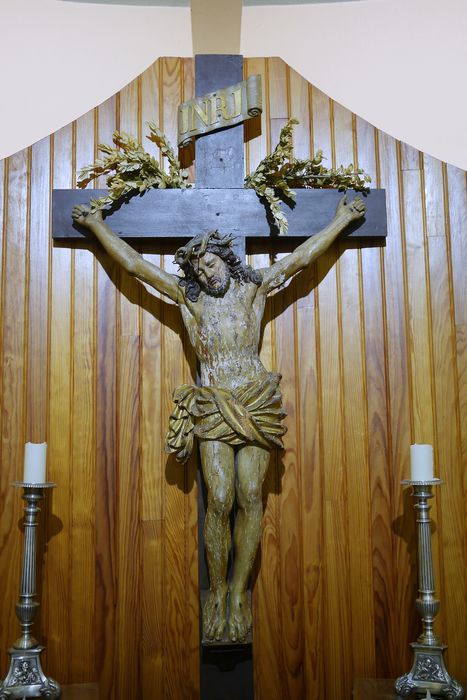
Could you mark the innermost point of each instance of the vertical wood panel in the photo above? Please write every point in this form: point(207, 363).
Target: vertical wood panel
point(418, 312)
point(128, 617)
point(59, 452)
point(355, 425)
point(378, 476)
point(268, 675)
point(372, 345)
point(128, 614)
point(181, 598)
point(82, 464)
point(152, 463)
point(290, 531)
point(391, 506)
point(13, 291)
point(336, 643)
point(311, 486)
point(299, 98)
point(106, 445)
point(448, 463)
point(278, 97)
point(457, 199)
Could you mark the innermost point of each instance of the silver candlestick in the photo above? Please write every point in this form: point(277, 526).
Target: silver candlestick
point(25, 677)
point(429, 671)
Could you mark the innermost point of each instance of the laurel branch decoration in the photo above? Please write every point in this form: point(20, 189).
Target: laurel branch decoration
point(132, 170)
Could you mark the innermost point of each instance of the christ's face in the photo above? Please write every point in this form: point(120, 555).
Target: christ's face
point(213, 274)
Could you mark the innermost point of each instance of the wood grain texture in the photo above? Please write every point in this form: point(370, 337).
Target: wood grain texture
point(57, 590)
point(308, 379)
point(106, 446)
point(372, 346)
point(13, 415)
point(267, 623)
point(391, 505)
point(151, 458)
point(83, 439)
point(355, 423)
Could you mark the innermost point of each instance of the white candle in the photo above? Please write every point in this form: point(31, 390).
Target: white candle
point(421, 462)
point(34, 463)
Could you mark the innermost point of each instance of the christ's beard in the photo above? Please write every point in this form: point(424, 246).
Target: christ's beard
point(217, 290)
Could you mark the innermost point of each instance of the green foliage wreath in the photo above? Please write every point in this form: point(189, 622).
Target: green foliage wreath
point(132, 170)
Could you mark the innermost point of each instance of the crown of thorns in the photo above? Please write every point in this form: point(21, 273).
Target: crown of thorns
point(199, 245)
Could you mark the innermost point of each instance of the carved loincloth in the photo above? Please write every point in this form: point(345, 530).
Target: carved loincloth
point(250, 414)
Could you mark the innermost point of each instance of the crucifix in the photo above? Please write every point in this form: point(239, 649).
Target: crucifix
point(235, 413)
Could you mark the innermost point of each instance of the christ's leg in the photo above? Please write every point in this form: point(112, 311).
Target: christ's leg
point(217, 461)
point(252, 464)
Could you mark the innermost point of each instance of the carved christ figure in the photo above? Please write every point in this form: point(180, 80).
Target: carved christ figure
point(236, 413)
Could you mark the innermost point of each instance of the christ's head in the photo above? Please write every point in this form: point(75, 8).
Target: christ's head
point(212, 273)
point(209, 264)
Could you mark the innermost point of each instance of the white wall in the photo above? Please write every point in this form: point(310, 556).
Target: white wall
point(400, 64)
point(60, 59)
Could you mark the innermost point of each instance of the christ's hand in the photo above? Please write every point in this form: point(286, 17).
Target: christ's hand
point(82, 215)
point(354, 210)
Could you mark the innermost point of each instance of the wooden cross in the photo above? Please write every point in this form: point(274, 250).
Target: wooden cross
point(220, 200)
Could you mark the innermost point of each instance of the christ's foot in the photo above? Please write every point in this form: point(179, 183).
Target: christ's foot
point(214, 614)
point(239, 616)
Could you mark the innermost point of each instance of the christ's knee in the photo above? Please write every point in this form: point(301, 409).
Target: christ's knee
point(220, 502)
point(249, 496)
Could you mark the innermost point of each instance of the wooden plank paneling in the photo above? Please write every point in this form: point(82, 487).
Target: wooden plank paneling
point(106, 446)
point(13, 336)
point(82, 464)
point(311, 482)
point(372, 346)
point(355, 425)
point(389, 502)
point(278, 112)
point(456, 458)
point(180, 556)
point(152, 458)
point(378, 475)
point(267, 623)
point(290, 540)
point(336, 554)
point(128, 614)
point(457, 202)
point(59, 453)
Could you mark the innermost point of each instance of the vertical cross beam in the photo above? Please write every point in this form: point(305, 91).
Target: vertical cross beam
point(226, 670)
point(220, 154)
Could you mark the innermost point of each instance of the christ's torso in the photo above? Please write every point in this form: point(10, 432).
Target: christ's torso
point(224, 332)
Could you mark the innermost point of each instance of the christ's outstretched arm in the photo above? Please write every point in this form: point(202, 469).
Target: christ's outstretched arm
point(312, 248)
point(126, 256)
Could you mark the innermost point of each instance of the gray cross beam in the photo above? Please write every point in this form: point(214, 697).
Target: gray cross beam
point(219, 200)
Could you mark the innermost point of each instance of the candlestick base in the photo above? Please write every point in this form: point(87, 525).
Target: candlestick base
point(25, 677)
point(428, 673)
